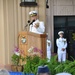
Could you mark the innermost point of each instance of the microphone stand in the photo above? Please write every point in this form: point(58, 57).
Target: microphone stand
point(26, 27)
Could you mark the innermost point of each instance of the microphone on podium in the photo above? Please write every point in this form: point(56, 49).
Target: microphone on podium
point(30, 22)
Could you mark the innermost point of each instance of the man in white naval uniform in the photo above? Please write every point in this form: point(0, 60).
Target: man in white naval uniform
point(37, 26)
point(61, 45)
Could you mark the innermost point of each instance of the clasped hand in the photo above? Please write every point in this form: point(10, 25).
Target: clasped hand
point(63, 49)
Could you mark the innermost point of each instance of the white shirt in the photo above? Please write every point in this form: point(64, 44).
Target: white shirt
point(61, 43)
point(40, 29)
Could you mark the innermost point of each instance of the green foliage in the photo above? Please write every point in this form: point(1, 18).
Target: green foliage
point(32, 64)
point(52, 64)
point(15, 59)
point(70, 67)
point(55, 67)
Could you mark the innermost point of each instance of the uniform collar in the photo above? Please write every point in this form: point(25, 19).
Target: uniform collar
point(37, 20)
point(61, 38)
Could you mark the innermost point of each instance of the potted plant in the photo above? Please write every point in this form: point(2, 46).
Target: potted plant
point(33, 60)
point(16, 57)
point(56, 67)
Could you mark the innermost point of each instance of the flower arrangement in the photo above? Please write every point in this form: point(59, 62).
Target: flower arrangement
point(64, 40)
point(16, 58)
point(34, 51)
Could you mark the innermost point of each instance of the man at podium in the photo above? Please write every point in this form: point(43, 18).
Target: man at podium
point(36, 26)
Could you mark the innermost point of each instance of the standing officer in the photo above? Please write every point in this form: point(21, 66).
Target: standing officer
point(61, 45)
point(36, 26)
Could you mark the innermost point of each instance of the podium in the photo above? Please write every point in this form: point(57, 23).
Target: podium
point(28, 39)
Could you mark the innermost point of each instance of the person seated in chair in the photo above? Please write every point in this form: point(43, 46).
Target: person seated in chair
point(4, 72)
point(63, 73)
point(43, 70)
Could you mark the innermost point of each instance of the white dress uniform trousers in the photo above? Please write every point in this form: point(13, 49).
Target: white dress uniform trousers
point(61, 43)
point(40, 29)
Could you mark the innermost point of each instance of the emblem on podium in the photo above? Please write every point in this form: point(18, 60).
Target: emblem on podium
point(23, 40)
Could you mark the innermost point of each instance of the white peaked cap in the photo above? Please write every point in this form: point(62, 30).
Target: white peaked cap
point(63, 74)
point(33, 12)
point(60, 32)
